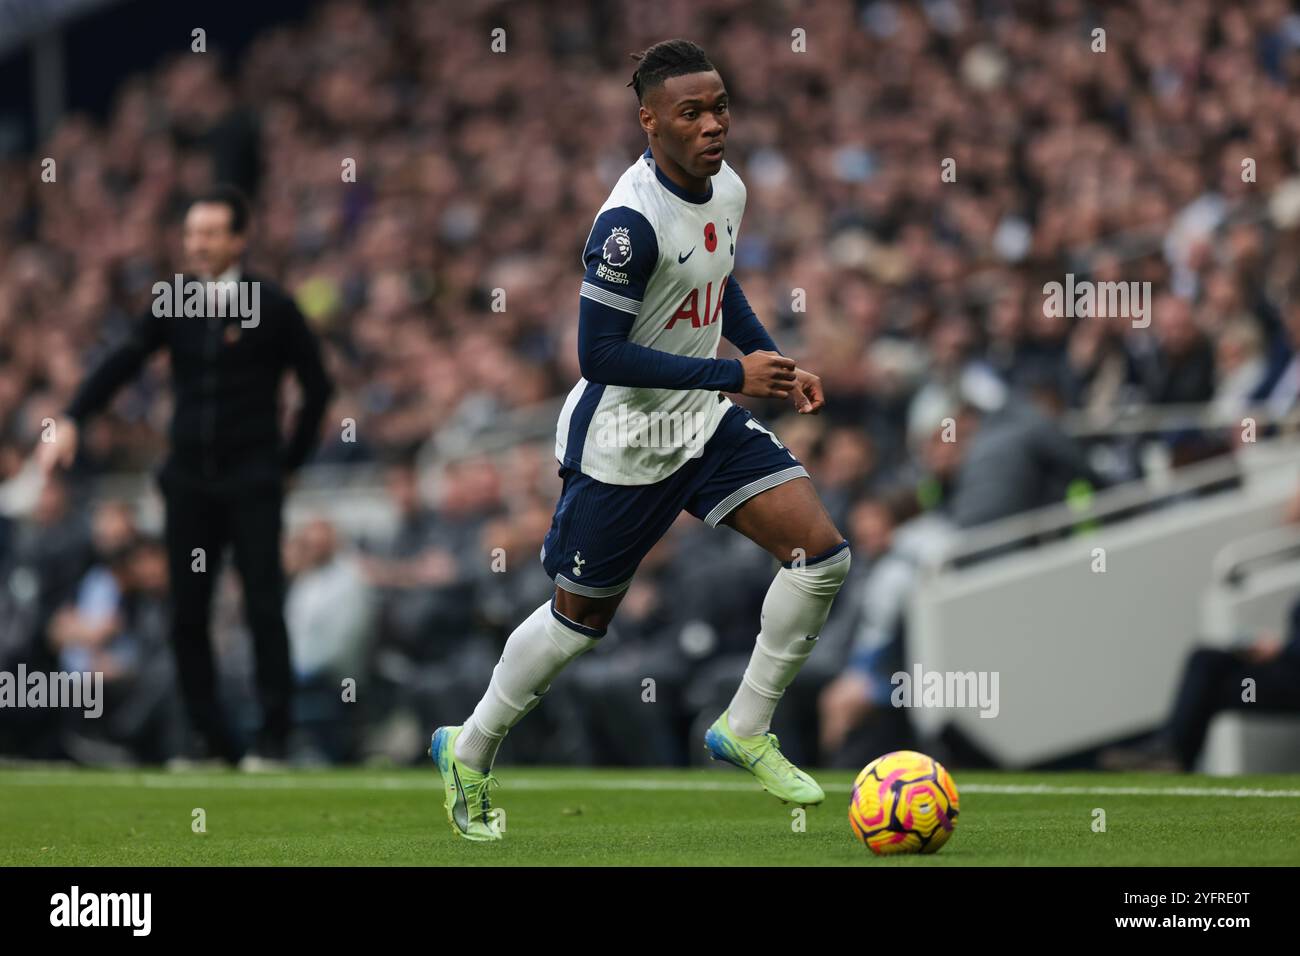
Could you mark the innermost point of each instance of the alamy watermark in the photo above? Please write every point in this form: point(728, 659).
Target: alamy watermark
point(1098, 300)
point(75, 908)
point(628, 428)
point(210, 299)
point(75, 690)
point(922, 688)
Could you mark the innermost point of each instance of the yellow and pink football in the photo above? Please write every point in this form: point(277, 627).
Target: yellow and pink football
point(903, 802)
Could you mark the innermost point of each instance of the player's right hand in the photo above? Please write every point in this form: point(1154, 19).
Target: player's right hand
point(767, 374)
point(61, 451)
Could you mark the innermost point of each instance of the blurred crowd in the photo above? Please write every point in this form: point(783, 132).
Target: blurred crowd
point(443, 281)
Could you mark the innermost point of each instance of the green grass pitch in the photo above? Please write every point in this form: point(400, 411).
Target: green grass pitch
point(712, 816)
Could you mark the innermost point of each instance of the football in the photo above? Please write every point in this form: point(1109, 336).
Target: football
point(903, 802)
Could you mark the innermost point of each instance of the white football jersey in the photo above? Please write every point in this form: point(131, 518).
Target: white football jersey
point(661, 255)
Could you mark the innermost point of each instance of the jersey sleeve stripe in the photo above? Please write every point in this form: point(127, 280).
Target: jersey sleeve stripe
point(611, 299)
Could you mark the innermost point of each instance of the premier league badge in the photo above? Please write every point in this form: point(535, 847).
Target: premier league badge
point(617, 250)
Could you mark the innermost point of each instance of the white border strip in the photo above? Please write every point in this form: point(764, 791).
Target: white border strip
point(738, 497)
point(612, 299)
point(573, 587)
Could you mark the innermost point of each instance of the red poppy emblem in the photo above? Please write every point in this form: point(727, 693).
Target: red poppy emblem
point(710, 237)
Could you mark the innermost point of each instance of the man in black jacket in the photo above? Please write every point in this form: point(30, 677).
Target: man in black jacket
point(230, 335)
point(1213, 682)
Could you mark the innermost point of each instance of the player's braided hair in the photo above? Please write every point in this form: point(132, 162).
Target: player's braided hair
point(667, 59)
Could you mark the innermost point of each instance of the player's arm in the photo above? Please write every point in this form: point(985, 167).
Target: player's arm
point(118, 367)
point(621, 255)
point(305, 360)
point(741, 327)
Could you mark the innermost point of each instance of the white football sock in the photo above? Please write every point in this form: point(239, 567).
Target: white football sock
point(534, 655)
point(793, 614)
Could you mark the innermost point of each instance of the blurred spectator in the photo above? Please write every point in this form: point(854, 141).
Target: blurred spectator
point(1177, 367)
point(430, 651)
point(1214, 681)
point(1240, 367)
point(51, 551)
point(1099, 364)
point(1017, 459)
point(423, 574)
point(955, 377)
point(117, 627)
point(1280, 391)
point(847, 461)
point(329, 614)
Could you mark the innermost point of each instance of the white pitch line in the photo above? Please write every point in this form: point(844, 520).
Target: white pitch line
point(1015, 789)
point(306, 781)
point(309, 781)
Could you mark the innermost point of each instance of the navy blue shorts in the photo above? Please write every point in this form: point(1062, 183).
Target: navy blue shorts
point(600, 532)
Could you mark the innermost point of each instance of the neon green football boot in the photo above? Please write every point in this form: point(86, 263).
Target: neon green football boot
point(762, 757)
point(467, 803)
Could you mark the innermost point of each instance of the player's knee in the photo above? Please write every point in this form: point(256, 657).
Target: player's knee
point(823, 572)
point(813, 546)
point(594, 613)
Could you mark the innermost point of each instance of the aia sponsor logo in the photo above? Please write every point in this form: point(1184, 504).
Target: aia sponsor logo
point(690, 306)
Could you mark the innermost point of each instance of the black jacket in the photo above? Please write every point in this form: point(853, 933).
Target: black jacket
point(225, 431)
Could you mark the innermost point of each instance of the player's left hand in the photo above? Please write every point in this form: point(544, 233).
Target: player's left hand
point(807, 393)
